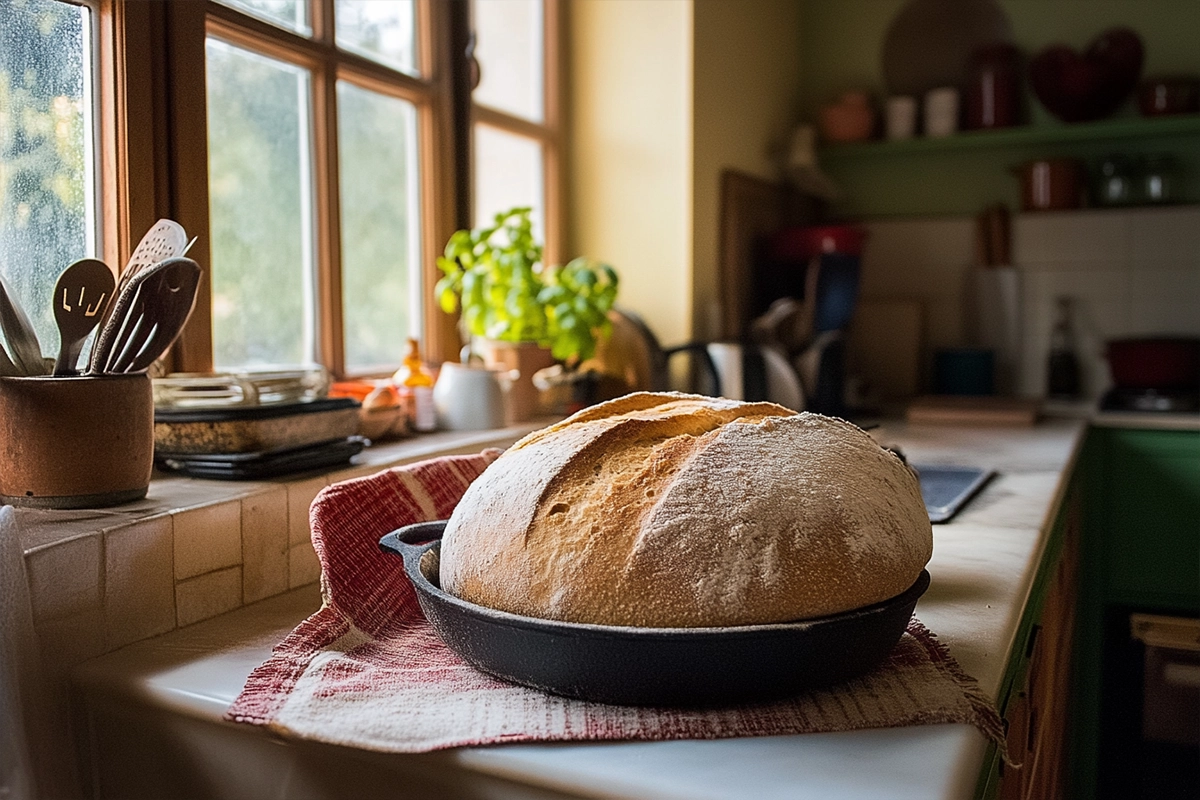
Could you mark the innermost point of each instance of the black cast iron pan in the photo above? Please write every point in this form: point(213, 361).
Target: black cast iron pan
point(697, 667)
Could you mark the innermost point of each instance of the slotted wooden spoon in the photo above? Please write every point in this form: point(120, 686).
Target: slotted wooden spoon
point(82, 293)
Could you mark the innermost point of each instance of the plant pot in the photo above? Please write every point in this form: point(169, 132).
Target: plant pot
point(526, 358)
point(78, 442)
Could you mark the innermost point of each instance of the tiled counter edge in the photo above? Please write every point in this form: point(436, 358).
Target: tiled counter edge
point(192, 549)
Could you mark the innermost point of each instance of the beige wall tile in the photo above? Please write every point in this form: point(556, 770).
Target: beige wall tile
point(207, 539)
point(1165, 302)
point(1059, 240)
point(64, 579)
point(264, 545)
point(1165, 238)
point(300, 497)
point(207, 596)
point(303, 566)
point(70, 641)
point(139, 585)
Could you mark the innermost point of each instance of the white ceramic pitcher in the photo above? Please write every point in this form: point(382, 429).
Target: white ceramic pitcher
point(469, 398)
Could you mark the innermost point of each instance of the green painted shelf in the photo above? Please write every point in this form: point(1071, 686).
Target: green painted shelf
point(1023, 136)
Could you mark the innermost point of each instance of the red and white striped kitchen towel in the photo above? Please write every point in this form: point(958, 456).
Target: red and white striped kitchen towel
point(368, 671)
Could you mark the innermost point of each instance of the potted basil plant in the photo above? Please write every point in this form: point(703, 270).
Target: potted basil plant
point(518, 313)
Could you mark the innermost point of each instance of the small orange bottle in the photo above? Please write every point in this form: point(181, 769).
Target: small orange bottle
point(415, 385)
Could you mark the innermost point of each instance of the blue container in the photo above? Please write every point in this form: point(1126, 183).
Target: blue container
point(964, 371)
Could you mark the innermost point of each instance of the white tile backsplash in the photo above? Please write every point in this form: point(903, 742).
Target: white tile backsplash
point(1165, 237)
point(1063, 240)
point(1131, 272)
point(1164, 301)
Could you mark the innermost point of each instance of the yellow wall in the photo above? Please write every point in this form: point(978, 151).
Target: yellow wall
point(745, 93)
point(629, 181)
point(664, 95)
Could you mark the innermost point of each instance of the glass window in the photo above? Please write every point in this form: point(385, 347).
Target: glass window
point(508, 173)
point(47, 182)
point(260, 198)
point(290, 14)
point(381, 287)
point(381, 31)
point(510, 54)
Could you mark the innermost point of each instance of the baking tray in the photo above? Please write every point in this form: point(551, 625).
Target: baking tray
point(947, 489)
point(266, 464)
point(689, 667)
point(254, 429)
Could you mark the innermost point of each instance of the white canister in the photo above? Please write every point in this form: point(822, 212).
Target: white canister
point(900, 114)
point(941, 112)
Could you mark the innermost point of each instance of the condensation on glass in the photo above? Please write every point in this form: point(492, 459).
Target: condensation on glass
point(381, 31)
point(48, 195)
point(290, 14)
point(380, 225)
point(508, 173)
point(509, 49)
point(261, 215)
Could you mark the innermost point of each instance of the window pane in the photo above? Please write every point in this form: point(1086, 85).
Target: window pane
point(382, 32)
point(47, 192)
point(259, 173)
point(377, 142)
point(508, 172)
point(509, 49)
point(290, 14)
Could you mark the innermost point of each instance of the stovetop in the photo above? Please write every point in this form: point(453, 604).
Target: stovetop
point(1173, 401)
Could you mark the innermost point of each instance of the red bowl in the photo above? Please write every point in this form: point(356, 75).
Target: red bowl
point(1161, 363)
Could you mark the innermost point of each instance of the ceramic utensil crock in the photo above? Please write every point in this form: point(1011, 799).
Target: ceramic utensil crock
point(75, 442)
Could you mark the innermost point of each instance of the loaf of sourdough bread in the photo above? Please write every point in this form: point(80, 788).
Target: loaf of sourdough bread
point(674, 510)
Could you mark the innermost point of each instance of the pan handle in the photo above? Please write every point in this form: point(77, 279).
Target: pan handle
point(411, 541)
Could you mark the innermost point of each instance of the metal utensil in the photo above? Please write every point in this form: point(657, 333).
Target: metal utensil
point(166, 239)
point(116, 327)
point(24, 352)
point(165, 301)
point(82, 293)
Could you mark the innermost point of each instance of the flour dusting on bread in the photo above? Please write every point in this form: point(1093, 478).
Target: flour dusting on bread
point(670, 510)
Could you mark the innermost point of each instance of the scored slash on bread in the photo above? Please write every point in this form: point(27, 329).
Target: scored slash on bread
point(673, 510)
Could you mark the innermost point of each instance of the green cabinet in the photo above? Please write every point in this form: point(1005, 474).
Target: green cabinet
point(1140, 551)
point(1147, 509)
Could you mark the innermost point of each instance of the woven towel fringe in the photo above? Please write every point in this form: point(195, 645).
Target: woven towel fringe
point(986, 718)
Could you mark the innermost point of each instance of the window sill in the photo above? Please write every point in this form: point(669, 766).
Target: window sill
point(192, 549)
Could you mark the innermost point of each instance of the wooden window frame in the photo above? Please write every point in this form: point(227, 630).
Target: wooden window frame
point(153, 159)
point(189, 26)
point(548, 133)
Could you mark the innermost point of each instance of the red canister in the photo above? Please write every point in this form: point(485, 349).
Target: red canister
point(994, 91)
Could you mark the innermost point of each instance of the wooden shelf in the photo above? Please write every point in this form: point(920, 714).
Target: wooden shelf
point(1017, 137)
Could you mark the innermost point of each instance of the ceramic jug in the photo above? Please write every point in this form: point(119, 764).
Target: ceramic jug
point(468, 397)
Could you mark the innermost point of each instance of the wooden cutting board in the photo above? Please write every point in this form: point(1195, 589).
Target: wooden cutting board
point(963, 410)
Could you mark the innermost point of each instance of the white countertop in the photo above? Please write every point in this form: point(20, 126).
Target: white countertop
point(983, 567)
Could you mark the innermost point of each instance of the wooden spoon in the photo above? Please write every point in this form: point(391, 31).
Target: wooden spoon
point(82, 293)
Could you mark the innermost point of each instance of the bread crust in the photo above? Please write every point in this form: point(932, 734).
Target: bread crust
point(671, 510)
